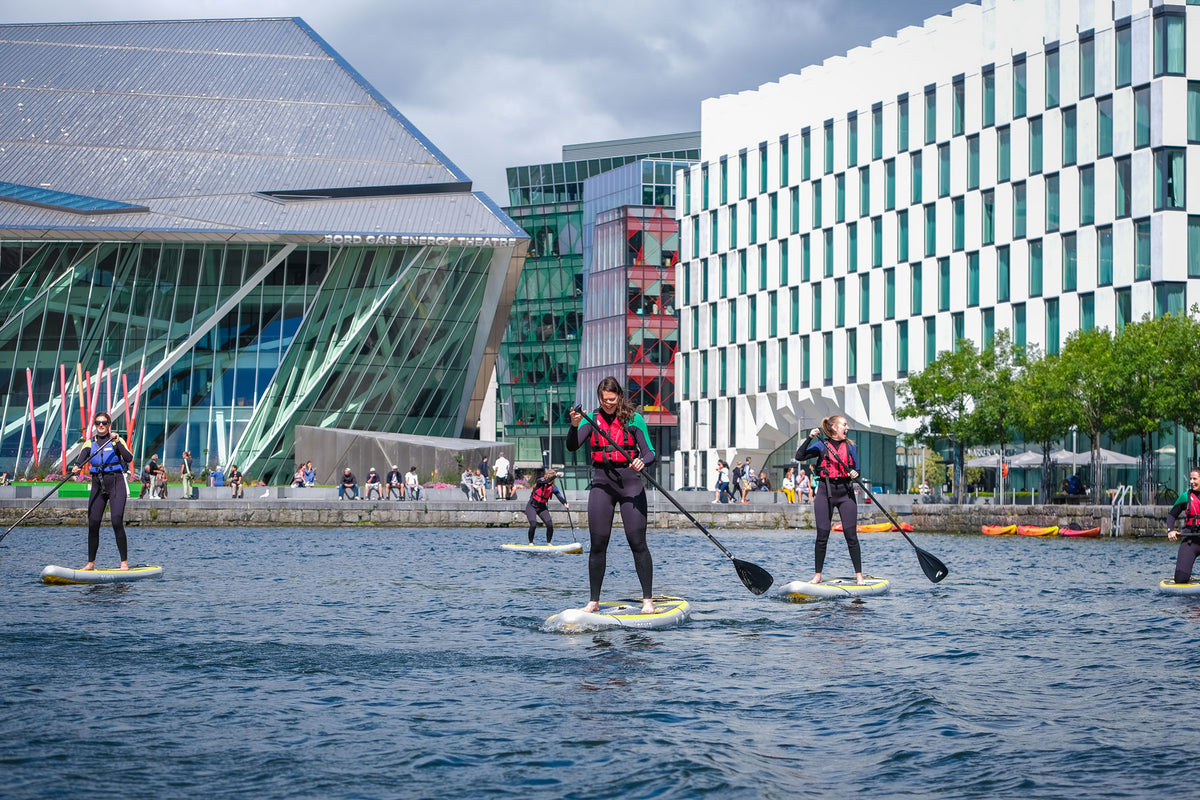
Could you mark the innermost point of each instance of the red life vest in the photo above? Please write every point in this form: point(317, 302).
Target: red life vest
point(602, 449)
point(836, 466)
point(1191, 518)
point(542, 492)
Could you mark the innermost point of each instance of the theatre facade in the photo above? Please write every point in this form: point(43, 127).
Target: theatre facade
point(217, 230)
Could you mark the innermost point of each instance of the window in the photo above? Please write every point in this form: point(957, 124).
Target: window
point(795, 192)
point(743, 170)
point(712, 325)
point(989, 95)
point(1087, 311)
point(1052, 78)
point(876, 352)
point(1124, 187)
point(930, 229)
point(827, 339)
point(877, 242)
point(783, 262)
point(916, 178)
point(902, 236)
point(1124, 61)
point(1019, 85)
point(762, 168)
point(828, 235)
point(864, 298)
point(1035, 145)
point(1070, 263)
point(1169, 47)
point(1087, 65)
point(931, 113)
point(1141, 250)
point(724, 181)
point(713, 230)
point(704, 280)
point(989, 326)
point(696, 237)
point(989, 217)
point(852, 139)
point(902, 123)
point(1052, 333)
point(877, 131)
point(1087, 195)
point(889, 184)
point(773, 314)
point(902, 349)
point(742, 271)
point(733, 226)
point(805, 258)
point(704, 188)
point(1193, 247)
point(852, 247)
point(959, 331)
point(1019, 325)
point(762, 366)
point(960, 105)
point(943, 284)
point(806, 154)
point(973, 162)
point(696, 327)
point(1035, 268)
point(762, 267)
point(1003, 154)
point(1141, 117)
point(1104, 256)
point(944, 170)
point(958, 205)
point(828, 147)
point(1070, 149)
point(1052, 212)
point(724, 276)
point(917, 299)
point(1104, 127)
point(930, 340)
point(687, 193)
point(972, 280)
point(773, 204)
point(889, 293)
point(1124, 307)
point(753, 220)
point(805, 361)
point(851, 355)
point(1169, 298)
point(783, 364)
point(1019, 210)
point(783, 161)
point(1003, 279)
point(794, 301)
point(1169, 182)
point(839, 302)
point(864, 192)
point(816, 204)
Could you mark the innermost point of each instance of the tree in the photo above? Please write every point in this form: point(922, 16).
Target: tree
point(1141, 390)
point(1087, 368)
point(1179, 347)
point(995, 414)
point(1042, 415)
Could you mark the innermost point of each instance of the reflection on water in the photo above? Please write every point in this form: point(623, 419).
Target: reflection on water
point(339, 663)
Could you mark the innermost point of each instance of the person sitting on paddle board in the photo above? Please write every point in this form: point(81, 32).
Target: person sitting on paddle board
point(538, 505)
point(1187, 509)
point(615, 482)
point(837, 464)
point(109, 457)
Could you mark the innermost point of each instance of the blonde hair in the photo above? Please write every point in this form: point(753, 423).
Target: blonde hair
point(827, 426)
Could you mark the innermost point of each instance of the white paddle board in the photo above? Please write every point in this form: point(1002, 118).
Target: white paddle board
point(1169, 586)
point(668, 611)
point(572, 547)
point(54, 574)
point(801, 591)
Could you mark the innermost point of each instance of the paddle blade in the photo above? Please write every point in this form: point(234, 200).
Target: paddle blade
point(934, 569)
point(757, 579)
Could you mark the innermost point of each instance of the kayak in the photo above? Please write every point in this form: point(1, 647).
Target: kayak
point(803, 591)
point(1034, 530)
point(876, 527)
point(999, 530)
point(1088, 533)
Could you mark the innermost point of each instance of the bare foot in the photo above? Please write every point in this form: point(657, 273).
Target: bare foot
point(91, 565)
point(647, 606)
point(125, 565)
point(816, 578)
point(859, 578)
point(592, 607)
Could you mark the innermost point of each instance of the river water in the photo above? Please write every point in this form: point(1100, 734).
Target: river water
point(376, 663)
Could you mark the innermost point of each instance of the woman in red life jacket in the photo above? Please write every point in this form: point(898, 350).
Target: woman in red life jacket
point(1187, 511)
point(615, 482)
point(539, 498)
point(837, 464)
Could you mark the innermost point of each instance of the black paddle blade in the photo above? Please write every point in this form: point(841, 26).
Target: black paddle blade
point(934, 569)
point(757, 579)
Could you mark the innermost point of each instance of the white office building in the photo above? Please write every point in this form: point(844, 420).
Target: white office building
point(1017, 164)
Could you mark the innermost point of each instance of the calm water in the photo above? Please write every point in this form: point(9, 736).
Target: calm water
point(374, 663)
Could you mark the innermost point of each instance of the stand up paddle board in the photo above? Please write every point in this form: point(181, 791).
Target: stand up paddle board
point(1169, 586)
point(573, 547)
point(801, 591)
point(668, 611)
point(54, 574)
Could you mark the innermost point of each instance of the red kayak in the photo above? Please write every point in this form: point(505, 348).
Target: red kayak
point(1089, 533)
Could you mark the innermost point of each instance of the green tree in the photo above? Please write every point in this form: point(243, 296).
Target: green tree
point(1141, 389)
point(1179, 348)
point(1087, 369)
point(995, 407)
point(1042, 415)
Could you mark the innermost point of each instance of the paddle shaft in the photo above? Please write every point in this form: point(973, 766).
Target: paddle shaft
point(650, 480)
point(57, 486)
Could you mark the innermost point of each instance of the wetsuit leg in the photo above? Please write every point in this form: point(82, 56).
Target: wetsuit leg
point(634, 518)
point(1189, 549)
point(531, 514)
point(548, 521)
point(823, 519)
point(96, 501)
point(601, 507)
point(847, 506)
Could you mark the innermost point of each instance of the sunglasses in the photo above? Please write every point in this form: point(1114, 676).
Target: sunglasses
point(100, 422)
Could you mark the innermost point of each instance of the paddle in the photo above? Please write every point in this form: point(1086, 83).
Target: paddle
point(933, 568)
point(572, 523)
point(756, 579)
point(57, 486)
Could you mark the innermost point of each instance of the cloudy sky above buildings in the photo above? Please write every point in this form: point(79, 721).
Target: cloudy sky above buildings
point(499, 83)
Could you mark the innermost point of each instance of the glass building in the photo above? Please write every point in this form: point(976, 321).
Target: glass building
point(220, 225)
point(558, 205)
point(1015, 165)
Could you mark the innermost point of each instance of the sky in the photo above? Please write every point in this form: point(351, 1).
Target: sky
point(501, 83)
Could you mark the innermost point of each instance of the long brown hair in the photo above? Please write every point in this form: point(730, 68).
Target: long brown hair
point(827, 426)
point(625, 409)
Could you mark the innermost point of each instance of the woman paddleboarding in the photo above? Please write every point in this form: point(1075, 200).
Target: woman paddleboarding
point(837, 464)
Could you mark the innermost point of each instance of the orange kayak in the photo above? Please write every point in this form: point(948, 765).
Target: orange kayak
point(1088, 533)
point(876, 527)
point(999, 530)
point(1034, 530)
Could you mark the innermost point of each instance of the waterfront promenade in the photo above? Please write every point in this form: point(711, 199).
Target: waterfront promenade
point(447, 508)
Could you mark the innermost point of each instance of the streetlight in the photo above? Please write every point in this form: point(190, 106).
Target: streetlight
point(550, 393)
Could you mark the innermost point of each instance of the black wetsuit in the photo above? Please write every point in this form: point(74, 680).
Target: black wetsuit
point(1186, 508)
point(615, 483)
point(537, 507)
point(109, 461)
point(834, 491)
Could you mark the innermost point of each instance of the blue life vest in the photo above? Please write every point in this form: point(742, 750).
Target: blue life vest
point(105, 457)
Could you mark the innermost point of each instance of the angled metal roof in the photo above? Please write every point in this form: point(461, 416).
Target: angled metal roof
point(194, 119)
